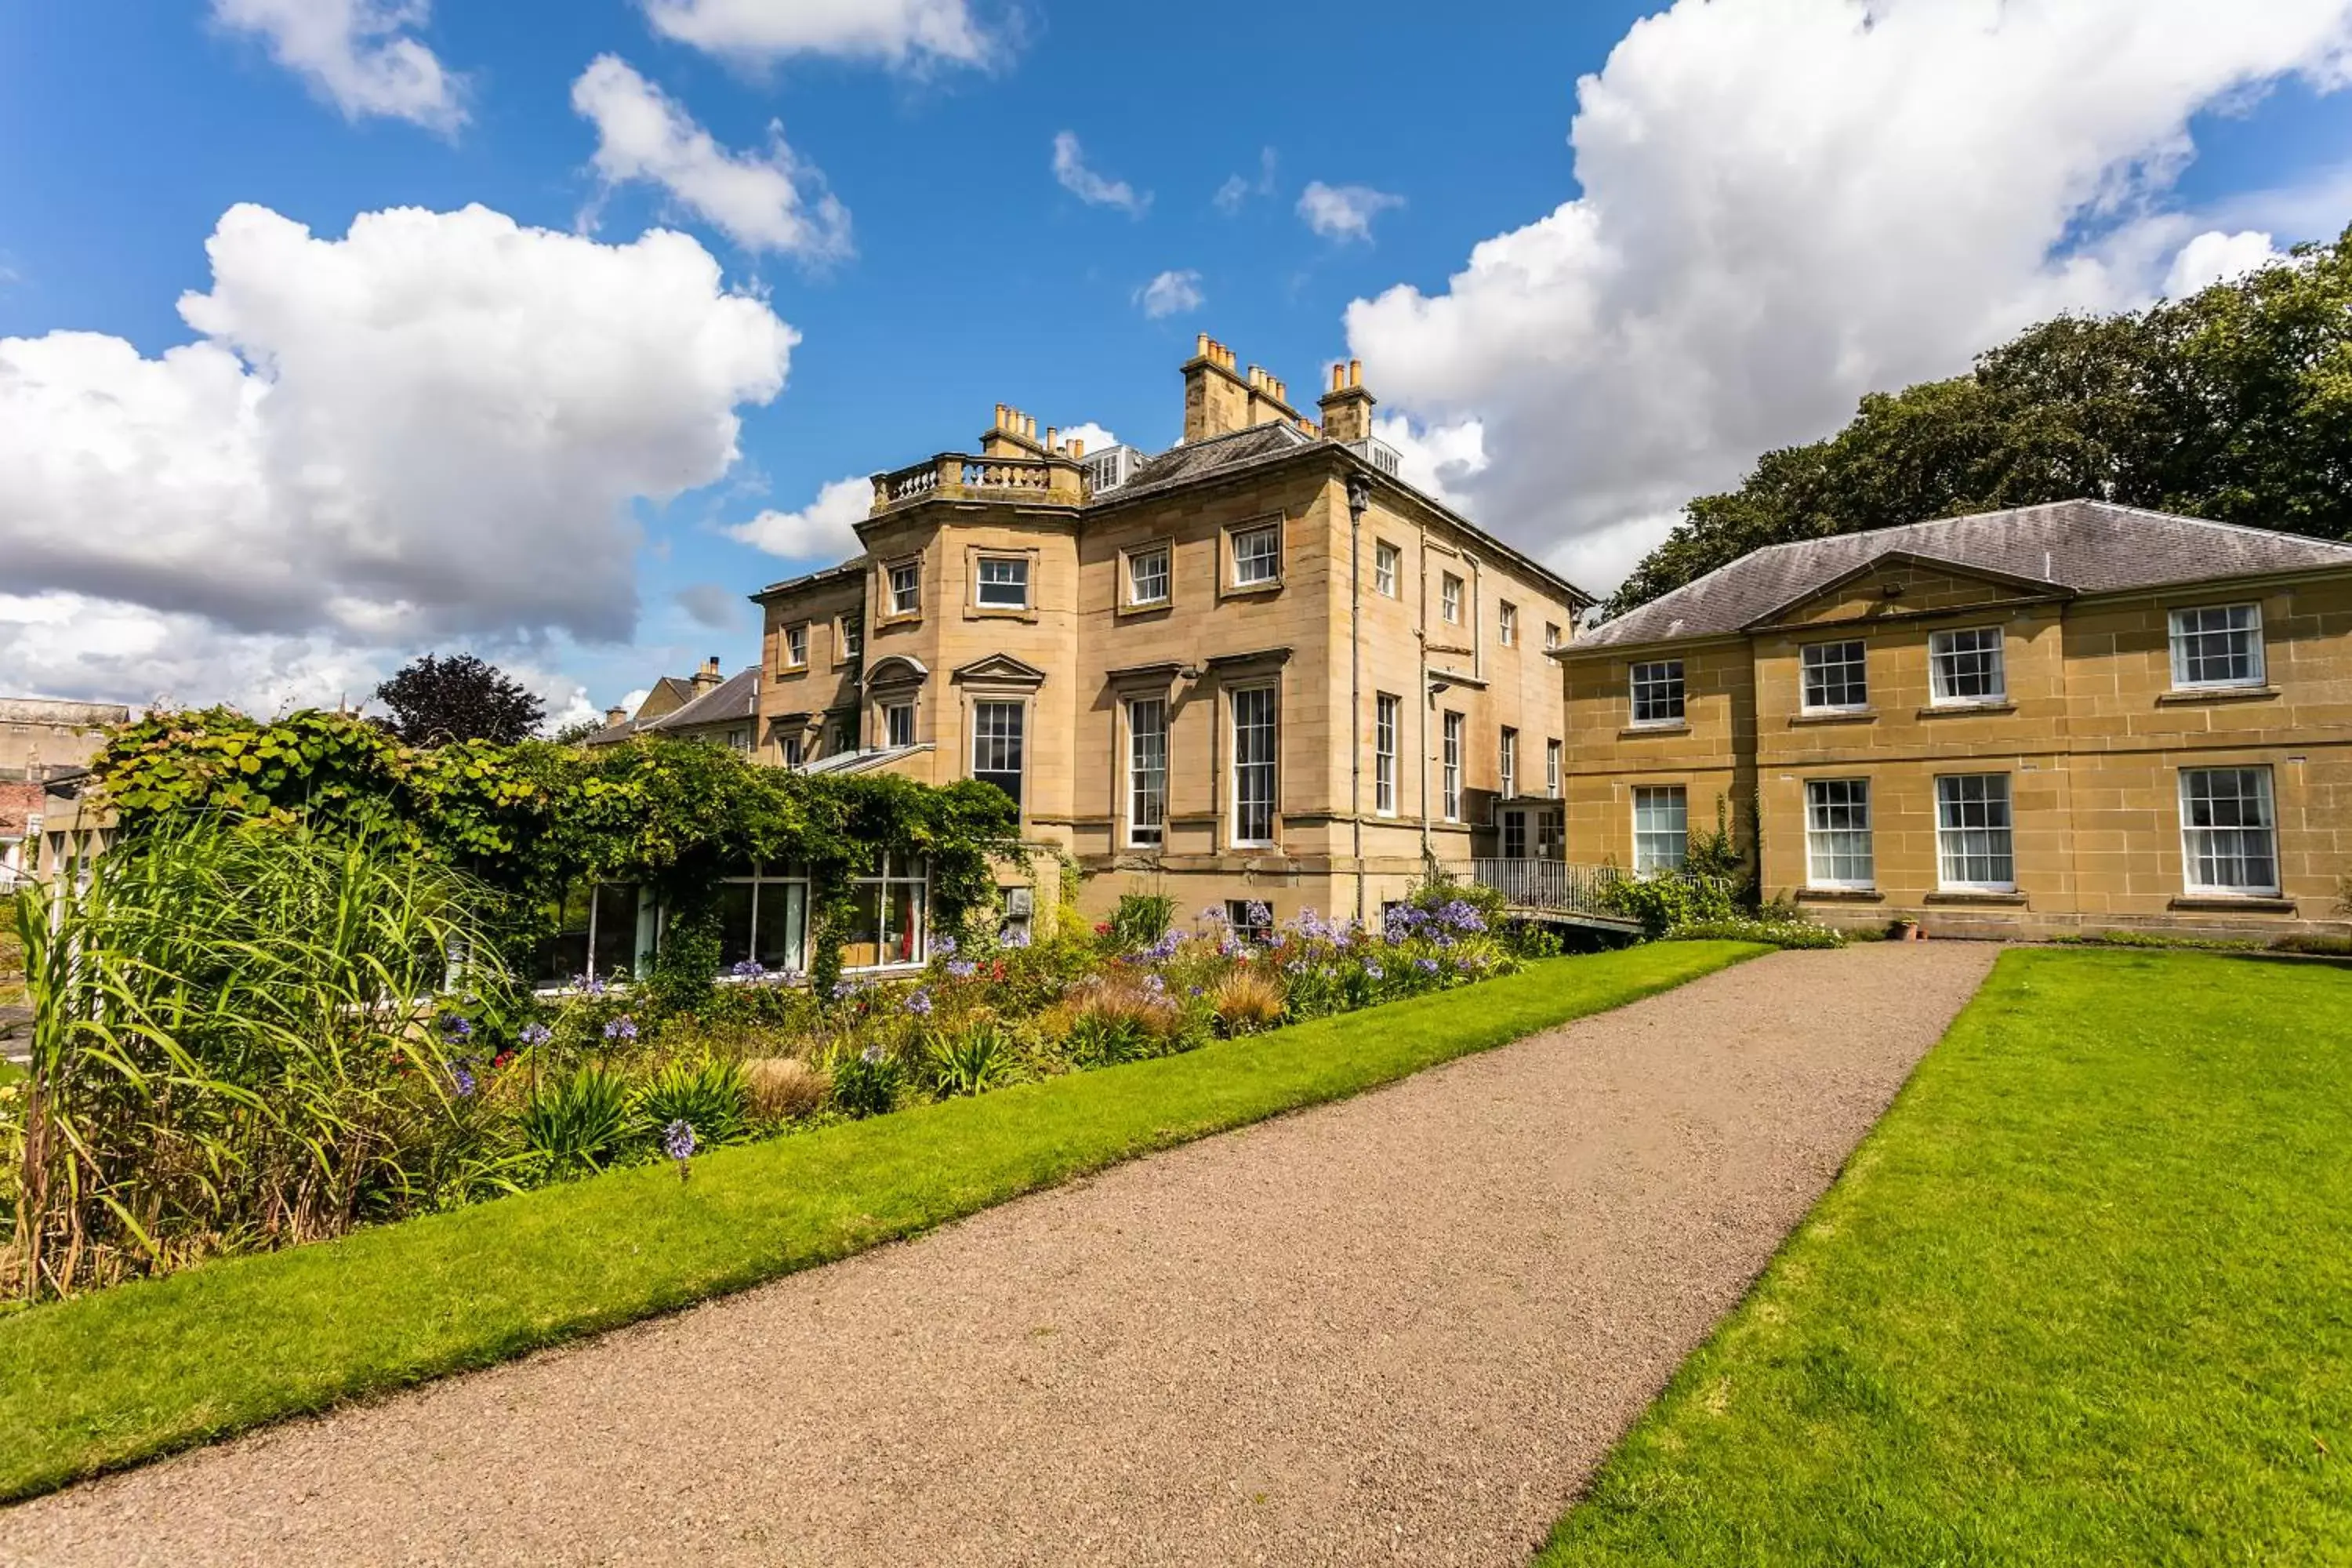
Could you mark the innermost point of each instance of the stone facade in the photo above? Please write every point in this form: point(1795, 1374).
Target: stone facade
point(1263, 584)
point(2111, 760)
point(41, 737)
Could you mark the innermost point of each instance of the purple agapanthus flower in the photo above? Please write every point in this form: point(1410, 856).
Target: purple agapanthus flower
point(945, 946)
point(534, 1033)
point(1426, 966)
point(1157, 987)
point(844, 989)
point(461, 1080)
point(591, 985)
point(622, 1028)
point(961, 969)
point(457, 1027)
point(677, 1140)
point(918, 1003)
point(1374, 972)
point(870, 1054)
point(749, 969)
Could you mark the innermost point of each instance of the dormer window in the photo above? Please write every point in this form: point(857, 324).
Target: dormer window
point(1003, 583)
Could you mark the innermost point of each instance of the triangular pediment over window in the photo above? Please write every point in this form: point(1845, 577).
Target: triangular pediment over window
point(1000, 670)
point(1900, 583)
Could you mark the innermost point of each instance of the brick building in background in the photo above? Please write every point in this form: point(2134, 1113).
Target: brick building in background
point(1256, 667)
point(41, 739)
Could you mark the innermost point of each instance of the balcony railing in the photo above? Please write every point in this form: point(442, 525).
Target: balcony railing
point(1378, 453)
point(958, 477)
point(1550, 884)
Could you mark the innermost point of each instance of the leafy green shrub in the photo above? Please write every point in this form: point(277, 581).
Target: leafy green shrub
point(866, 1080)
point(709, 1096)
point(580, 1120)
point(1670, 900)
point(972, 1062)
point(1141, 920)
point(1748, 928)
point(1102, 1038)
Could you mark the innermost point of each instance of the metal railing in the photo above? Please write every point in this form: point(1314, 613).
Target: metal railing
point(1378, 453)
point(1549, 885)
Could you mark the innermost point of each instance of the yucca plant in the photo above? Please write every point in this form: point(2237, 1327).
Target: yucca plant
point(230, 1046)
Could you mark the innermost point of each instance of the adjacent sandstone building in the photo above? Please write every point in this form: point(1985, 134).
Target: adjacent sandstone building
point(2070, 717)
point(1255, 668)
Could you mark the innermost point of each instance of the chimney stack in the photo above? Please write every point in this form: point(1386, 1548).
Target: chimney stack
point(615, 714)
point(708, 678)
point(1347, 408)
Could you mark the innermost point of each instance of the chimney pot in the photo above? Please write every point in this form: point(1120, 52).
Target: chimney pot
point(1050, 434)
point(1200, 346)
point(1077, 447)
point(1355, 373)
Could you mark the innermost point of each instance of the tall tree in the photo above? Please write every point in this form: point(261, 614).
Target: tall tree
point(2234, 404)
point(435, 700)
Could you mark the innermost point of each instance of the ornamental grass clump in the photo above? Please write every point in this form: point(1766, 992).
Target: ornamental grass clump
point(232, 1048)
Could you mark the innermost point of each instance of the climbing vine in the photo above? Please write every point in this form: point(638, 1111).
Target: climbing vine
point(531, 818)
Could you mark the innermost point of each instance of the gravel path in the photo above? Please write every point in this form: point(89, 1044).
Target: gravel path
point(1401, 1328)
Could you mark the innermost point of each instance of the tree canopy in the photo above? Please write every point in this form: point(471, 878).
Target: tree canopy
point(2234, 404)
point(436, 700)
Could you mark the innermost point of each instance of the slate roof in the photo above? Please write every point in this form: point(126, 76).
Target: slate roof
point(855, 563)
point(736, 699)
point(2070, 547)
point(1199, 459)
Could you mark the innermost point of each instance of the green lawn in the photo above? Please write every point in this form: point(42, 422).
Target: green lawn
point(108, 1379)
point(2083, 1297)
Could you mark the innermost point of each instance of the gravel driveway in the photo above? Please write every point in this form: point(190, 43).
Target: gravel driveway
point(1401, 1328)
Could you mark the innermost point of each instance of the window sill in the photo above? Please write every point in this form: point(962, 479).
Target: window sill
point(2221, 903)
point(2191, 696)
point(1840, 896)
point(899, 618)
point(1249, 590)
point(1976, 896)
point(1000, 613)
point(1637, 732)
point(1836, 716)
point(1962, 709)
point(1151, 607)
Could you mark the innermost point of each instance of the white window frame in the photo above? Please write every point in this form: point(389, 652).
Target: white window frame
point(921, 907)
point(2210, 838)
point(1018, 582)
point(1669, 688)
point(1020, 739)
point(1388, 562)
point(1506, 623)
point(1254, 707)
point(1813, 660)
point(1552, 749)
point(1953, 790)
point(1837, 816)
point(1507, 763)
point(891, 714)
point(1552, 635)
point(853, 636)
point(1450, 771)
point(1449, 599)
point(2180, 633)
point(1945, 654)
point(761, 881)
point(905, 581)
point(1147, 774)
point(1267, 562)
point(797, 646)
point(1388, 719)
point(795, 751)
point(1658, 848)
point(1137, 560)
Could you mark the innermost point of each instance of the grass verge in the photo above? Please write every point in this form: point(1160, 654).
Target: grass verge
point(108, 1379)
point(2084, 1295)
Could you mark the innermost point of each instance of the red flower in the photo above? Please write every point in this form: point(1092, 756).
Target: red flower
point(1102, 928)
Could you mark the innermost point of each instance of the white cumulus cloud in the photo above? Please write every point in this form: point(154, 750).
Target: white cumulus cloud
point(765, 202)
point(823, 530)
point(900, 33)
point(359, 53)
point(1094, 189)
point(1788, 203)
point(1343, 212)
point(2214, 256)
point(1170, 293)
point(1235, 193)
point(1093, 434)
point(433, 428)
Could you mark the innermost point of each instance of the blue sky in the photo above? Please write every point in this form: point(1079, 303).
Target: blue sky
point(1764, 214)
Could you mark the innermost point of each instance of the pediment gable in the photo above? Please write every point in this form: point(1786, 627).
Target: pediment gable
point(1900, 583)
point(999, 669)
